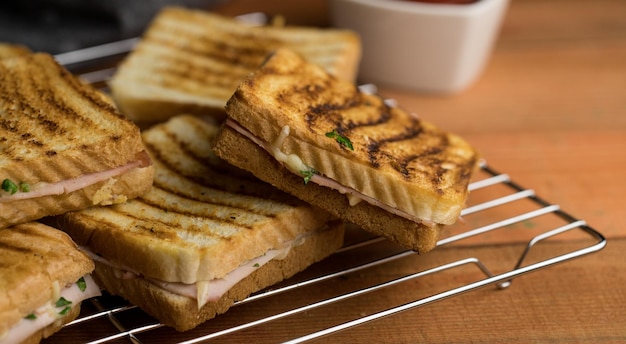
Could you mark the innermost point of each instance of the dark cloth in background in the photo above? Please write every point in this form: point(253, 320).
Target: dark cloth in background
point(57, 26)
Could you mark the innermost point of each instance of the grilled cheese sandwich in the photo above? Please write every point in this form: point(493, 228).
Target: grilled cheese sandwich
point(64, 146)
point(206, 235)
point(44, 277)
point(191, 61)
point(375, 164)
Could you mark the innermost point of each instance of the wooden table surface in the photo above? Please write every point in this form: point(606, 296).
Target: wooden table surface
point(550, 111)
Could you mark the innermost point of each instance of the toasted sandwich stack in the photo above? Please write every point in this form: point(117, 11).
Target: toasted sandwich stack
point(63, 144)
point(191, 61)
point(63, 147)
point(44, 278)
point(319, 138)
point(205, 236)
point(192, 215)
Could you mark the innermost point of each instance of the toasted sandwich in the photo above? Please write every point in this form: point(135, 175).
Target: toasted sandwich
point(205, 236)
point(321, 139)
point(191, 61)
point(44, 277)
point(63, 144)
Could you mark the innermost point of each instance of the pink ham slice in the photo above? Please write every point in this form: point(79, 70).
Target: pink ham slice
point(80, 182)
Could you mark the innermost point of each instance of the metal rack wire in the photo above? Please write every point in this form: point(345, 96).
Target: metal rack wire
point(496, 203)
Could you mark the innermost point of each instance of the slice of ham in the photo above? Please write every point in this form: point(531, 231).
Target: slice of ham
point(204, 291)
point(70, 185)
point(354, 196)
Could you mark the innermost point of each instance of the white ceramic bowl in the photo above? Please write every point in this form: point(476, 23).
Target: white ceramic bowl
point(425, 47)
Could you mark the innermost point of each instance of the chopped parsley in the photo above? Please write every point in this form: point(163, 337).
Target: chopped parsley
point(63, 302)
point(31, 316)
point(342, 140)
point(24, 187)
point(256, 265)
point(82, 285)
point(308, 174)
point(9, 186)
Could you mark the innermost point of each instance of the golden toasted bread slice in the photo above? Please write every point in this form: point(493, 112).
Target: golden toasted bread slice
point(39, 265)
point(202, 222)
point(191, 61)
point(366, 153)
point(63, 144)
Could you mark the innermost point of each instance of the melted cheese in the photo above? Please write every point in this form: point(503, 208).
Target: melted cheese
point(292, 161)
point(212, 291)
point(49, 313)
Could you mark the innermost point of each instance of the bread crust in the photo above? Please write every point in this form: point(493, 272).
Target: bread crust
point(34, 257)
point(182, 312)
point(251, 157)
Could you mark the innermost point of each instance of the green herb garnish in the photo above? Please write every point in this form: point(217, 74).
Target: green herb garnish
point(24, 187)
point(308, 174)
point(31, 316)
point(82, 285)
point(256, 265)
point(342, 140)
point(9, 186)
point(62, 302)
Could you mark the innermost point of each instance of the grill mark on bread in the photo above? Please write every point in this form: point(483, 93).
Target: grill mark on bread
point(322, 113)
point(90, 94)
point(244, 48)
point(249, 57)
point(172, 228)
point(237, 200)
point(332, 113)
point(207, 180)
point(14, 248)
point(227, 179)
point(215, 196)
point(38, 111)
point(26, 230)
point(221, 204)
point(179, 72)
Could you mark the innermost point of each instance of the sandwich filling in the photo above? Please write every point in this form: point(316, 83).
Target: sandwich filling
point(12, 191)
point(295, 164)
point(205, 291)
point(59, 305)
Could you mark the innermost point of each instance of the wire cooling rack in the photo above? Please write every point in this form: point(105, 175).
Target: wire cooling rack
point(496, 204)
